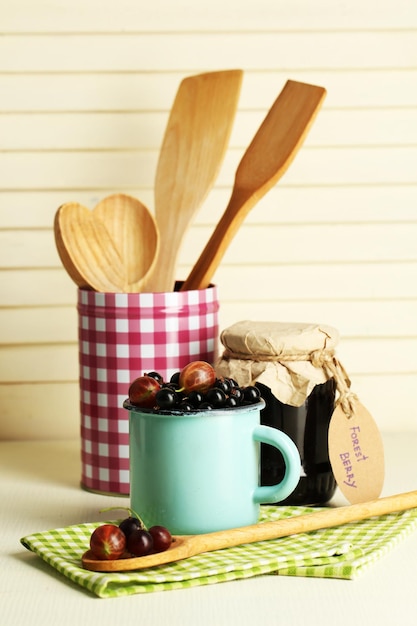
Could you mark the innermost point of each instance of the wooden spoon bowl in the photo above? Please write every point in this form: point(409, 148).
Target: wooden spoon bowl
point(64, 254)
point(135, 235)
point(87, 250)
point(110, 249)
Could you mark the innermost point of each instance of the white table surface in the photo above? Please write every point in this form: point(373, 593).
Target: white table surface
point(40, 490)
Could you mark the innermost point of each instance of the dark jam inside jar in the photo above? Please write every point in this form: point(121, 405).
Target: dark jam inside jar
point(308, 427)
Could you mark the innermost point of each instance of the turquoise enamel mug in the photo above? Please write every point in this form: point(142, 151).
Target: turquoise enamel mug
point(198, 472)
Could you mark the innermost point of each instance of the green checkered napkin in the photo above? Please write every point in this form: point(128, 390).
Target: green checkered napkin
point(341, 552)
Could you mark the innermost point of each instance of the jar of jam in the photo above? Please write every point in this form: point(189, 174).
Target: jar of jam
point(295, 367)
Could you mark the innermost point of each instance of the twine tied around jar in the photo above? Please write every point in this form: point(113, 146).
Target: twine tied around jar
point(324, 359)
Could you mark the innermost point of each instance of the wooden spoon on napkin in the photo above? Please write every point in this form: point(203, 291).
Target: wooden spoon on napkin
point(186, 546)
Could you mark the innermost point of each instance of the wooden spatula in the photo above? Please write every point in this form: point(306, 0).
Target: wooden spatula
point(269, 155)
point(192, 151)
point(185, 546)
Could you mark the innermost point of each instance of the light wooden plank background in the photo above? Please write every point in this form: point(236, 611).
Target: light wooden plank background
point(85, 92)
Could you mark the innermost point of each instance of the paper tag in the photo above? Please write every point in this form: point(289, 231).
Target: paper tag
point(356, 454)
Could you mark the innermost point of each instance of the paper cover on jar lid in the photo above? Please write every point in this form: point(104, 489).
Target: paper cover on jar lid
point(286, 357)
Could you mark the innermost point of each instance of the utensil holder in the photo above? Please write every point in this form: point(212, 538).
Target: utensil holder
point(120, 337)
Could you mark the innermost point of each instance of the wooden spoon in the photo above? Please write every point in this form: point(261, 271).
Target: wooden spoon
point(135, 234)
point(269, 155)
point(194, 144)
point(185, 546)
point(65, 257)
point(112, 248)
point(87, 250)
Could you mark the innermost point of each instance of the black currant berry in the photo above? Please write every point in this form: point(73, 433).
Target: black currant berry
point(237, 394)
point(251, 394)
point(206, 406)
point(139, 542)
point(184, 405)
point(223, 384)
point(175, 378)
point(156, 376)
point(216, 397)
point(166, 398)
point(162, 538)
point(195, 398)
point(130, 524)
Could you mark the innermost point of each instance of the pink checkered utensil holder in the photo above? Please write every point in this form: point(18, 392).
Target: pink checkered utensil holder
point(122, 336)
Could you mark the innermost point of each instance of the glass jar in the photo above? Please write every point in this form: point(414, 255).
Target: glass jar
point(307, 425)
point(295, 368)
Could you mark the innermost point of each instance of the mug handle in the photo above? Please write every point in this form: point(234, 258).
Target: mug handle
point(281, 441)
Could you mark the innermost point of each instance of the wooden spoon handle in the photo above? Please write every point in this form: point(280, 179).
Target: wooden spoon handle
point(304, 523)
point(204, 269)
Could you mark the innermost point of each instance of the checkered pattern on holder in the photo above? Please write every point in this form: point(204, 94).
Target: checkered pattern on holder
point(121, 336)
